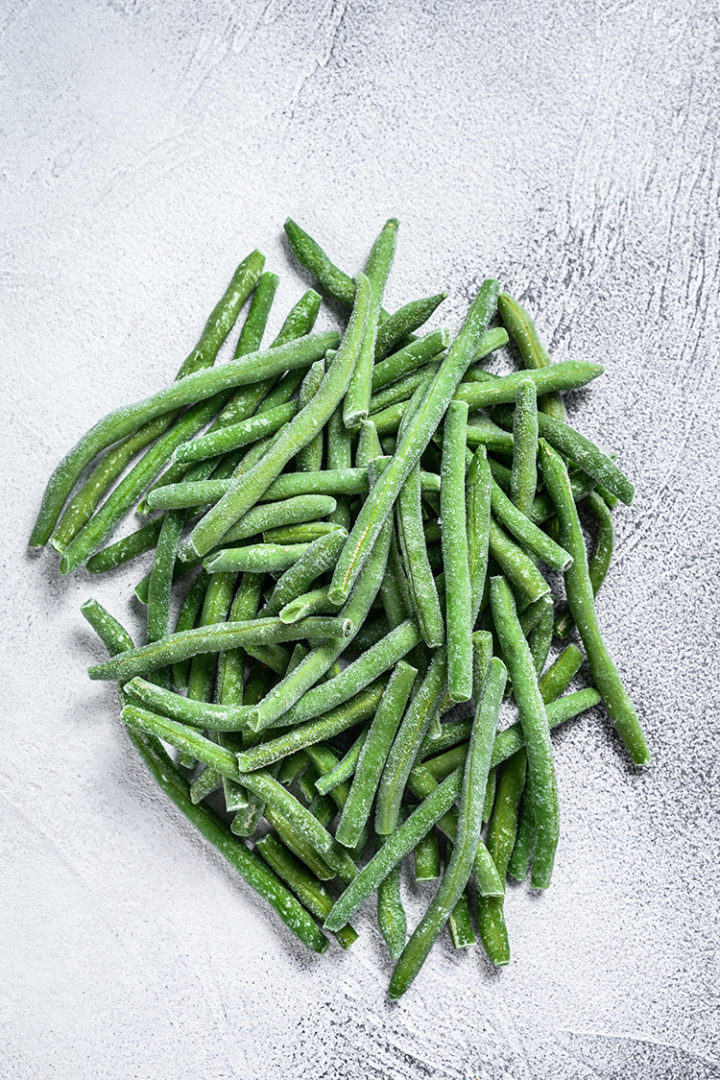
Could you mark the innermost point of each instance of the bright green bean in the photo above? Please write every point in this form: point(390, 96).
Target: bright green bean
point(280, 514)
point(224, 439)
point(257, 558)
point(530, 536)
point(313, 602)
point(558, 676)
point(413, 356)
point(426, 858)
point(344, 769)
point(396, 328)
point(522, 331)
point(517, 566)
point(479, 485)
point(580, 599)
point(310, 457)
point(161, 576)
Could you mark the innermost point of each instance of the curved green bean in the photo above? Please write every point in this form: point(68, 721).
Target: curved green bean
point(579, 592)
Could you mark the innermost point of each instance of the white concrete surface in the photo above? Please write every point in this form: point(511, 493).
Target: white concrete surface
point(146, 147)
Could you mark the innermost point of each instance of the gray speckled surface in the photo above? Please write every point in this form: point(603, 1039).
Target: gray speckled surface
point(146, 147)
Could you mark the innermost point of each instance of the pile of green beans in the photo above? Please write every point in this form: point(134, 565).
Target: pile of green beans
point(353, 533)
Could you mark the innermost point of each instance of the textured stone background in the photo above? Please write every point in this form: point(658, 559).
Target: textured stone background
point(146, 147)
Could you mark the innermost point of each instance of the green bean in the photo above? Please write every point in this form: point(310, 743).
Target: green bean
point(308, 889)
point(321, 555)
point(426, 858)
point(404, 750)
point(479, 484)
point(368, 447)
point(224, 439)
point(320, 660)
point(599, 561)
point(422, 586)
point(522, 331)
point(391, 916)
point(530, 536)
point(204, 784)
point(396, 328)
point(515, 564)
point(257, 558)
point(398, 393)
point(458, 597)
point(216, 604)
point(533, 719)
point(502, 831)
point(357, 396)
point(413, 356)
point(280, 515)
point(187, 617)
point(352, 679)
point(309, 603)
point(579, 593)
point(161, 576)
point(344, 769)
point(246, 491)
point(523, 474)
point(374, 754)
point(460, 925)
point(558, 676)
point(112, 465)
point(329, 482)
point(489, 795)
point(309, 253)
point(302, 533)
point(540, 640)
point(568, 375)
point(339, 456)
point(310, 457)
point(203, 639)
point(522, 852)
point(482, 431)
point(542, 508)
point(374, 513)
point(136, 543)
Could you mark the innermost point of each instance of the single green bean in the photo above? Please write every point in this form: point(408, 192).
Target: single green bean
point(599, 561)
point(462, 933)
point(310, 457)
point(374, 754)
point(203, 639)
point(204, 784)
point(523, 474)
point(391, 916)
point(281, 514)
point(533, 719)
point(357, 396)
point(122, 551)
point(530, 536)
point(374, 513)
point(426, 858)
point(313, 602)
point(558, 676)
point(339, 456)
point(344, 769)
point(482, 431)
point(398, 393)
point(413, 356)
point(302, 533)
point(257, 558)
point(405, 747)
point(517, 566)
point(396, 328)
point(224, 439)
point(458, 595)
point(522, 331)
point(580, 599)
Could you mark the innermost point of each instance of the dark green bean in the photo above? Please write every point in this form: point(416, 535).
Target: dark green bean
point(599, 561)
